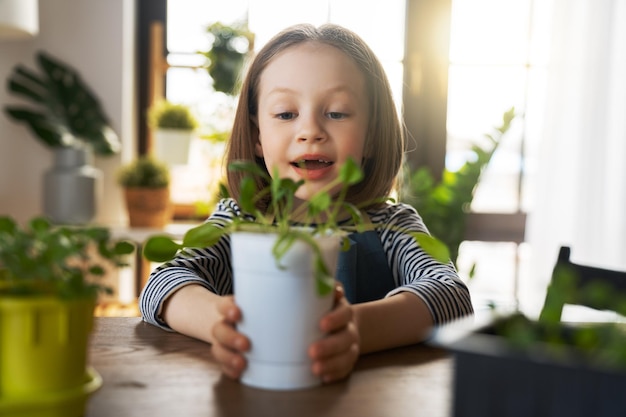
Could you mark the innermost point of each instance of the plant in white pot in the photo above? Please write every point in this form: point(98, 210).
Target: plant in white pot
point(293, 265)
point(67, 118)
point(48, 289)
point(173, 125)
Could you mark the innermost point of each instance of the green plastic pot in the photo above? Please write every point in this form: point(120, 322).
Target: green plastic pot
point(43, 356)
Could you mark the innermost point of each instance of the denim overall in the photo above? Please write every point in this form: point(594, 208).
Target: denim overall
point(363, 269)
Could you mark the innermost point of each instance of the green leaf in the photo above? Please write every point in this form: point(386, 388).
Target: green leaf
point(324, 284)
point(284, 242)
point(205, 235)
point(52, 132)
point(355, 214)
point(284, 188)
point(123, 248)
point(249, 167)
point(8, 225)
point(247, 195)
point(66, 112)
point(318, 204)
point(36, 87)
point(433, 246)
point(350, 173)
point(39, 224)
point(160, 248)
point(223, 190)
point(472, 271)
point(97, 270)
point(276, 187)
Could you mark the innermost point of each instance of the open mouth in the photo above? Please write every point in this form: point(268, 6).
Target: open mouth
point(312, 164)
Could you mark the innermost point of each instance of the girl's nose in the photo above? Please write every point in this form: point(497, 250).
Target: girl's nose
point(311, 129)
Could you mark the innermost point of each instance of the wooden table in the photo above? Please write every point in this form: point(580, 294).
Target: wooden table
point(150, 372)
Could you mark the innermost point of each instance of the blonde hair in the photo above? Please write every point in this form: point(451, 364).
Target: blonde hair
point(384, 144)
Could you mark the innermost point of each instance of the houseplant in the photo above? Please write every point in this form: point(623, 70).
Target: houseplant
point(66, 117)
point(283, 257)
point(444, 205)
point(48, 290)
point(173, 126)
point(509, 365)
point(230, 46)
point(145, 182)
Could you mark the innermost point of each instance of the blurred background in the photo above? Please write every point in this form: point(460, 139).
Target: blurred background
point(455, 66)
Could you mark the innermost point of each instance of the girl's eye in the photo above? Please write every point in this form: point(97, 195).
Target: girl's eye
point(285, 115)
point(336, 115)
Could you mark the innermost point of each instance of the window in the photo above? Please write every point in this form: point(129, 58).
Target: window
point(498, 60)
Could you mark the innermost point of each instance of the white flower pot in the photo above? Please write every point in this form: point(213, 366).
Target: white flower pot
point(172, 145)
point(281, 308)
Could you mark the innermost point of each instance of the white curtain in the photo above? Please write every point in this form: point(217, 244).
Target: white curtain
point(581, 192)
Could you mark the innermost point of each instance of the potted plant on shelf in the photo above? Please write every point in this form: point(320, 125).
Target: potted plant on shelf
point(48, 289)
point(145, 182)
point(68, 119)
point(294, 265)
point(174, 126)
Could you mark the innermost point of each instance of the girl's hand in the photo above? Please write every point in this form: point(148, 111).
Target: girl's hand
point(228, 344)
point(334, 356)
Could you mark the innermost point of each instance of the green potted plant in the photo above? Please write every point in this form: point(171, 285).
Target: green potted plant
point(444, 205)
point(173, 125)
point(230, 45)
point(294, 264)
point(509, 364)
point(49, 283)
point(68, 118)
point(145, 182)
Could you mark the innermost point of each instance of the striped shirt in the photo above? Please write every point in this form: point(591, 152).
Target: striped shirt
point(437, 284)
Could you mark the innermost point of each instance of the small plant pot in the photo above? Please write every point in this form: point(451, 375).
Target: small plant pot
point(43, 356)
point(281, 308)
point(148, 207)
point(172, 145)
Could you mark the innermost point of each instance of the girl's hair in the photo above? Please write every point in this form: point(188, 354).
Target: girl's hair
point(384, 144)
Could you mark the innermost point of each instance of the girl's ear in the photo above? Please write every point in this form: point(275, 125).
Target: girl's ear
point(256, 136)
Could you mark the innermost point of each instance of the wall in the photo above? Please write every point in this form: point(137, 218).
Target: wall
point(97, 38)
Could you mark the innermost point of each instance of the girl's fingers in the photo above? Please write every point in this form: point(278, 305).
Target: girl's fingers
point(232, 362)
point(226, 335)
point(335, 344)
point(228, 309)
point(339, 292)
point(336, 367)
point(338, 318)
point(228, 343)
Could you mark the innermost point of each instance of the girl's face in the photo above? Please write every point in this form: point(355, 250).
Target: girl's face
point(312, 115)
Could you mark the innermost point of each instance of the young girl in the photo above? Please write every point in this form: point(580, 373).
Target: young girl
point(312, 98)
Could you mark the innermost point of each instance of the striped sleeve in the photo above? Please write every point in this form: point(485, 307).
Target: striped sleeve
point(209, 267)
point(437, 284)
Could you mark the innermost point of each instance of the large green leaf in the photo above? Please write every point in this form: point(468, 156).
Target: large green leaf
point(160, 248)
point(66, 111)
